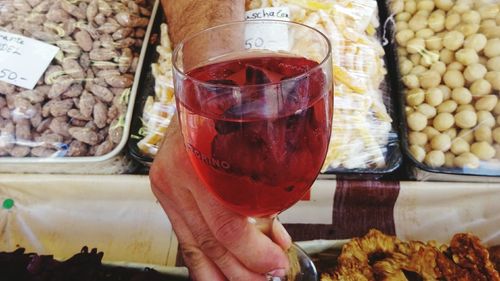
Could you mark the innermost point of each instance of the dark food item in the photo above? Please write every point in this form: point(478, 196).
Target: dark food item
point(377, 256)
point(84, 266)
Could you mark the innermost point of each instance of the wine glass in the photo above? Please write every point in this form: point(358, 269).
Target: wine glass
point(255, 104)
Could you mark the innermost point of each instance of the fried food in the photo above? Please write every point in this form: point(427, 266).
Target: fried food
point(377, 256)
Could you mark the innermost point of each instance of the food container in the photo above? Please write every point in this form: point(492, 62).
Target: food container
point(479, 170)
point(114, 161)
point(390, 154)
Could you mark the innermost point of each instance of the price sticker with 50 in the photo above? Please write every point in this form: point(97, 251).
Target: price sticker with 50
point(23, 60)
point(275, 37)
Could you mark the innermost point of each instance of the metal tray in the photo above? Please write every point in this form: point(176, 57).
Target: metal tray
point(420, 171)
point(111, 163)
point(393, 155)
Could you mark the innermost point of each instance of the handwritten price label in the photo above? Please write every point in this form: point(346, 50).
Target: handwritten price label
point(23, 60)
point(273, 37)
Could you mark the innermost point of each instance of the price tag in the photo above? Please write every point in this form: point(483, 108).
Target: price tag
point(23, 60)
point(273, 38)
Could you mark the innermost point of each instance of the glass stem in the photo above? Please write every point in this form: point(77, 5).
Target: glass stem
point(265, 224)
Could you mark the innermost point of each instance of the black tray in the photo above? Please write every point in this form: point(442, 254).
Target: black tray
point(415, 167)
point(146, 88)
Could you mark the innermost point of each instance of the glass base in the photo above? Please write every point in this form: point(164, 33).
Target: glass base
point(301, 267)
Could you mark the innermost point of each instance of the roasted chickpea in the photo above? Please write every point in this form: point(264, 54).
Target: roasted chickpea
point(397, 6)
point(448, 106)
point(439, 67)
point(486, 103)
point(467, 135)
point(471, 16)
point(425, 5)
point(474, 72)
point(467, 56)
point(415, 58)
point(464, 107)
point(451, 21)
point(493, 77)
point(483, 150)
point(446, 56)
point(446, 91)
point(449, 158)
point(461, 95)
point(454, 79)
point(430, 132)
point(430, 79)
point(434, 43)
point(441, 142)
point(455, 66)
point(467, 29)
point(476, 42)
point(451, 132)
point(418, 70)
point(417, 138)
point(427, 110)
point(466, 119)
point(485, 118)
point(434, 158)
point(488, 11)
point(404, 16)
point(444, 5)
point(415, 97)
point(459, 146)
point(436, 21)
point(424, 33)
point(415, 45)
point(403, 36)
point(453, 40)
point(496, 135)
point(434, 97)
point(493, 64)
point(417, 22)
point(483, 133)
point(410, 6)
point(480, 87)
point(411, 81)
point(405, 66)
point(417, 121)
point(417, 152)
point(443, 121)
point(466, 160)
point(492, 48)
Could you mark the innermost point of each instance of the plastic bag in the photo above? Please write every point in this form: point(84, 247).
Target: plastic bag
point(362, 125)
point(449, 65)
point(79, 105)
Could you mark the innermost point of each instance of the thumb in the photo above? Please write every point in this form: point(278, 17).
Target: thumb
point(280, 236)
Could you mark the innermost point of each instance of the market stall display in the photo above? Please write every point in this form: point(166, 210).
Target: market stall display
point(80, 110)
point(448, 54)
point(363, 139)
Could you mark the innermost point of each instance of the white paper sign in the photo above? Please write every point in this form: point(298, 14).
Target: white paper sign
point(273, 38)
point(23, 60)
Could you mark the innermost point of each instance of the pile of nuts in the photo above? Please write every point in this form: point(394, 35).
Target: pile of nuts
point(78, 106)
point(449, 56)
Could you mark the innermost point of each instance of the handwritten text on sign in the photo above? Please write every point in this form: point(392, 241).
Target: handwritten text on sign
point(274, 37)
point(23, 60)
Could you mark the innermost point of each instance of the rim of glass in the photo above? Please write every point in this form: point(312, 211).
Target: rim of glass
point(183, 42)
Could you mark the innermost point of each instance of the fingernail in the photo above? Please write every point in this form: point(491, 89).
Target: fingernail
point(280, 272)
point(284, 234)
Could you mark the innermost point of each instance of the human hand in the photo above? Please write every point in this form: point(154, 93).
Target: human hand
point(216, 243)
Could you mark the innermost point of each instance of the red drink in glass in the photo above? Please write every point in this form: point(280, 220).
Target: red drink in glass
point(257, 129)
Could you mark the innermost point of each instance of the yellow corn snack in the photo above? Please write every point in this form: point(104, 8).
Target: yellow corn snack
point(362, 126)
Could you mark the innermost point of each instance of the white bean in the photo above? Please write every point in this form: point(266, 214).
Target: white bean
point(459, 146)
point(454, 79)
point(474, 72)
point(480, 87)
point(441, 142)
point(443, 121)
point(434, 158)
point(417, 121)
point(466, 119)
point(483, 150)
point(467, 160)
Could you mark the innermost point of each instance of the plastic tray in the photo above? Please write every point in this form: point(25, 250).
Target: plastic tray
point(420, 171)
point(393, 155)
point(92, 164)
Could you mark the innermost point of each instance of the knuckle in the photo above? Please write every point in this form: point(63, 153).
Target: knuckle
point(214, 250)
point(228, 229)
point(192, 255)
